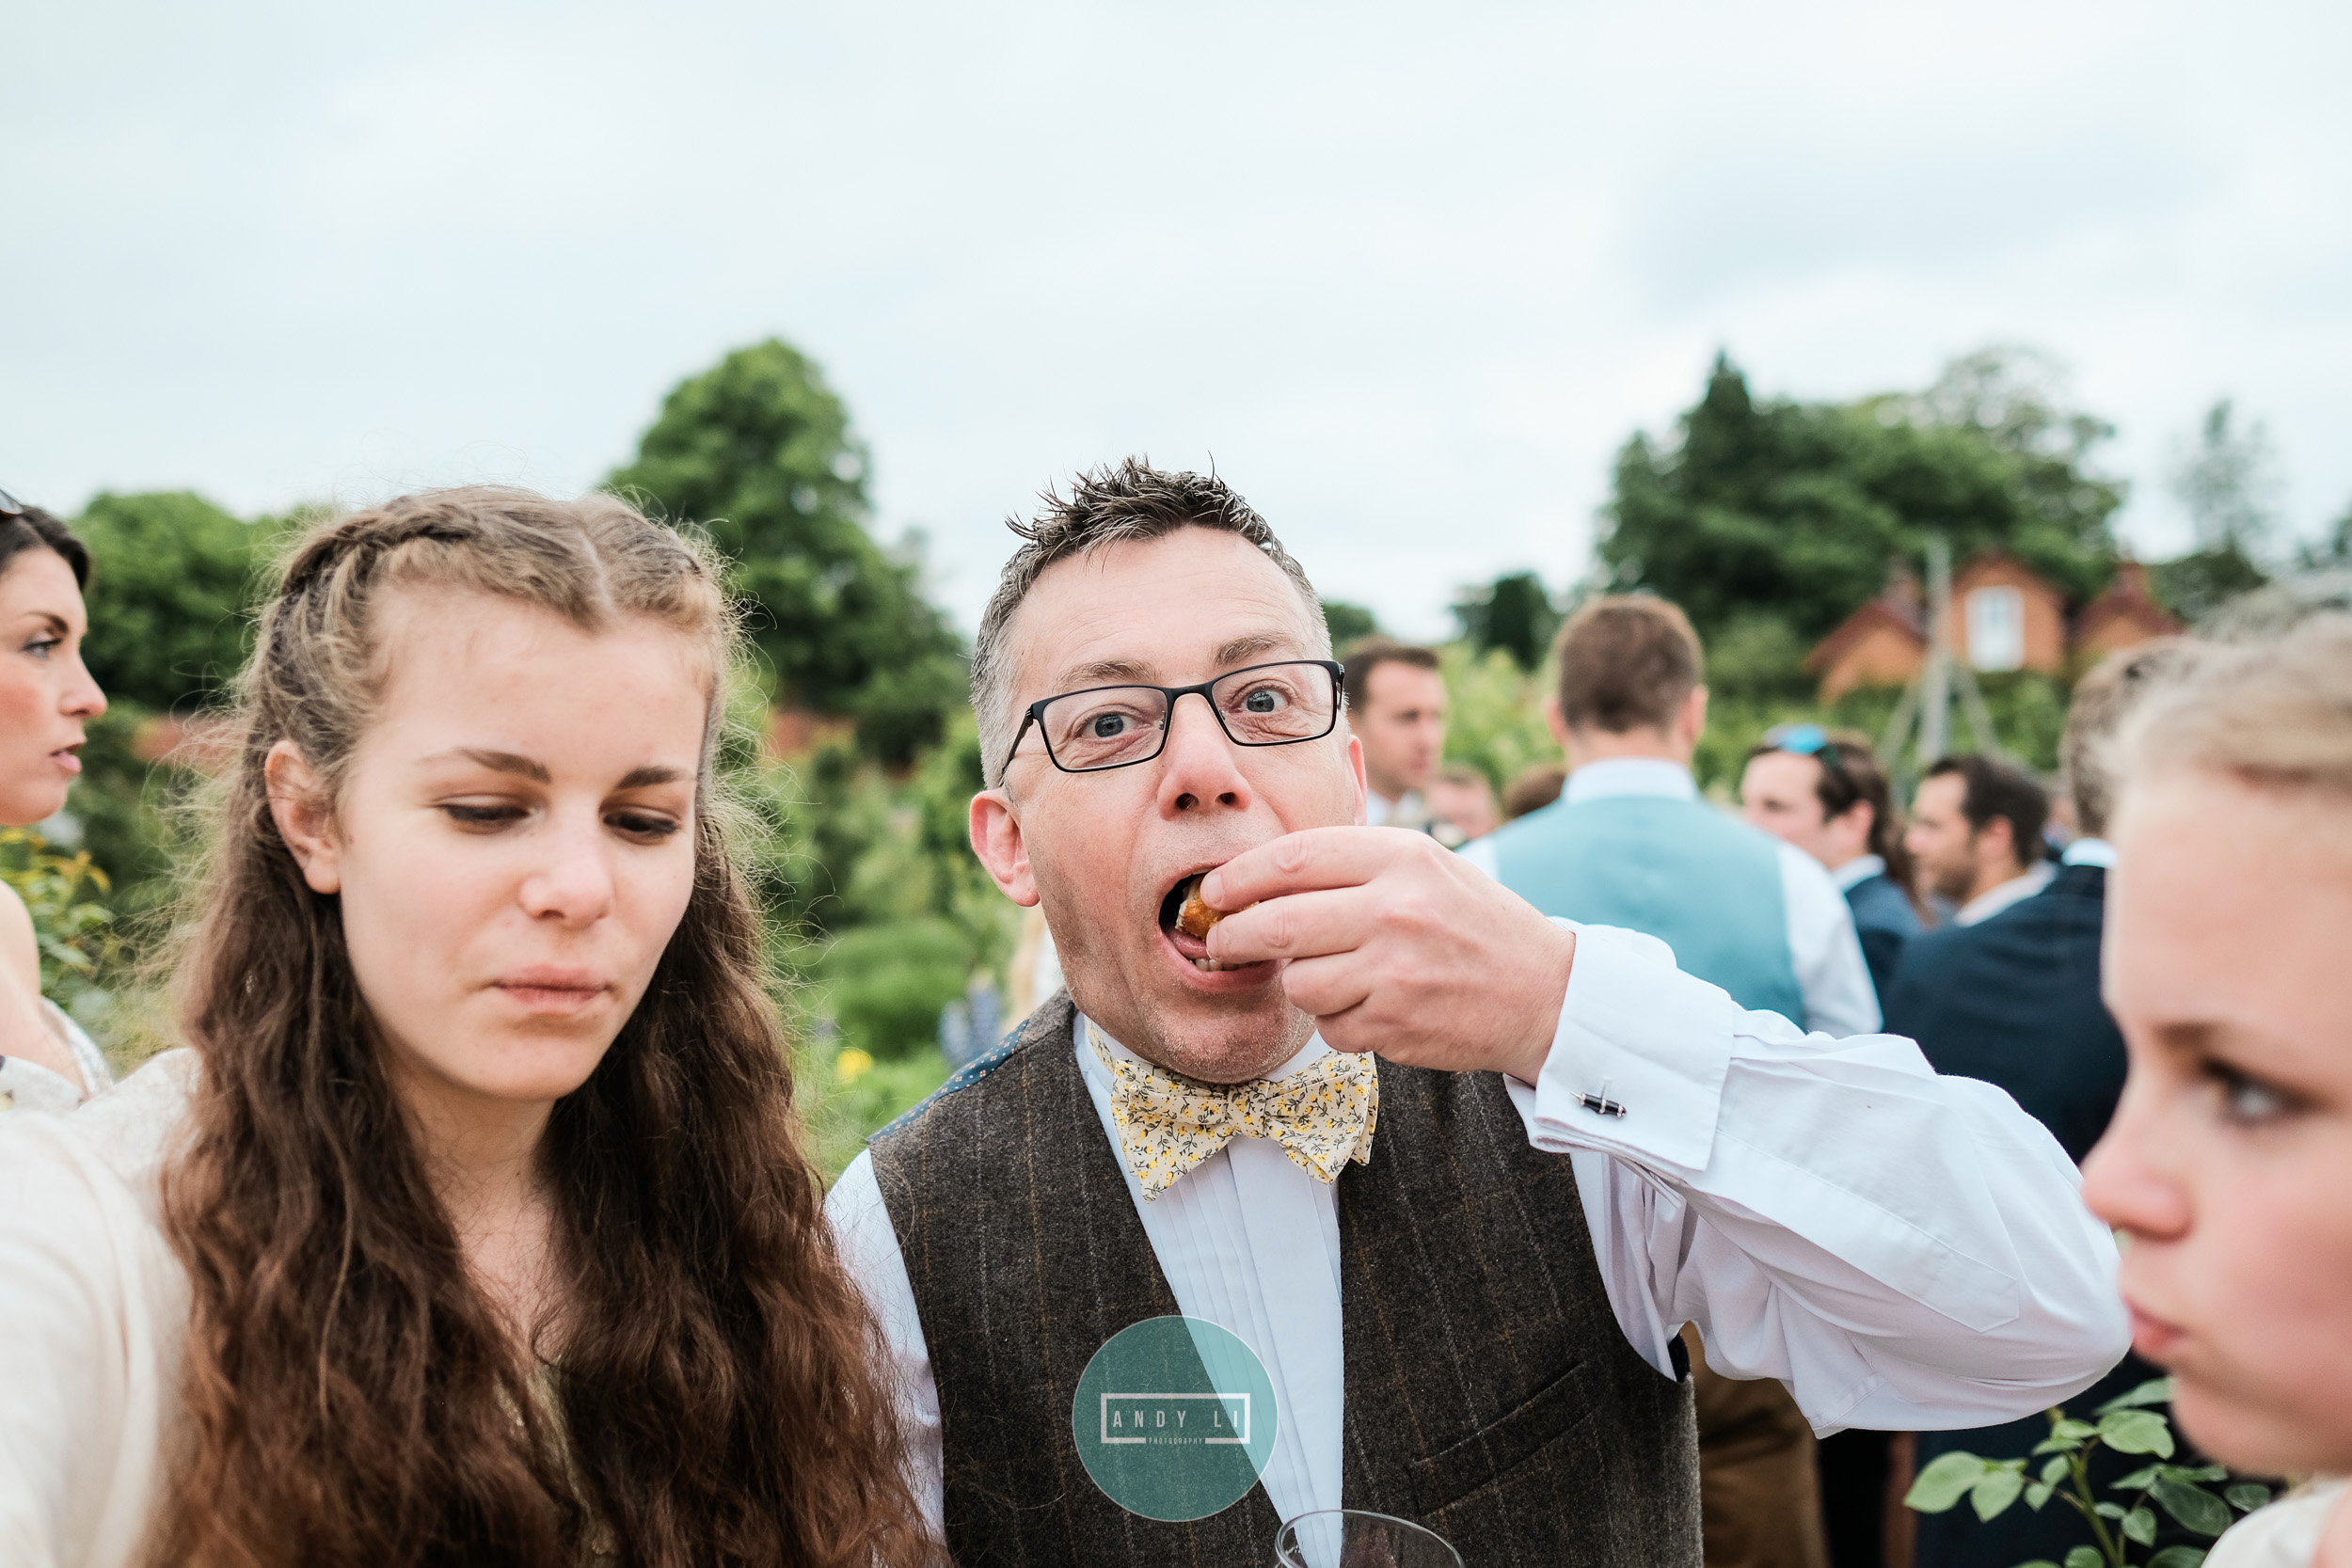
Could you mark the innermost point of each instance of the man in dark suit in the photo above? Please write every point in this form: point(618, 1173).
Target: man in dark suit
point(2013, 1000)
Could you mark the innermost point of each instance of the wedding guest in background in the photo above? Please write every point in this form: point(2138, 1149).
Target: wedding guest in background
point(1462, 806)
point(476, 1225)
point(1462, 1263)
point(2013, 1001)
point(1397, 706)
point(1827, 795)
point(1975, 834)
point(1532, 789)
point(1631, 843)
point(2228, 1161)
point(46, 697)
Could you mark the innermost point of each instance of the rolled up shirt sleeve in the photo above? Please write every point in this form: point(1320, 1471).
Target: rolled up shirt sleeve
point(1902, 1250)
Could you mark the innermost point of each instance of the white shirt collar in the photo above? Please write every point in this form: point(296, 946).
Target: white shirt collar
point(1855, 871)
point(2090, 851)
point(1313, 1051)
point(1655, 776)
point(1986, 905)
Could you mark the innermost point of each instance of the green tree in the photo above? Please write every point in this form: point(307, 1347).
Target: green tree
point(1514, 613)
point(2225, 476)
point(168, 597)
point(759, 452)
point(1350, 624)
point(1796, 511)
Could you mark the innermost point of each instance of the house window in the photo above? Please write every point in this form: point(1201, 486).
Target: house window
point(1996, 629)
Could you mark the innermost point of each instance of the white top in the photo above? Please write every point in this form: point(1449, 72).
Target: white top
point(1984, 906)
point(1929, 1265)
point(2088, 851)
point(1407, 810)
point(29, 1086)
point(1856, 871)
point(2284, 1535)
point(1822, 947)
point(96, 1309)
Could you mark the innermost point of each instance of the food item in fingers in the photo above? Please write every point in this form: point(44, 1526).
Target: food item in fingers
point(1194, 918)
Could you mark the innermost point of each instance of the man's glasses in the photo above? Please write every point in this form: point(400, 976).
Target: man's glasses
point(1811, 740)
point(1118, 726)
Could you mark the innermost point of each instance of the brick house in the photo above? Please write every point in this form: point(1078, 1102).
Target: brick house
point(2003, 617)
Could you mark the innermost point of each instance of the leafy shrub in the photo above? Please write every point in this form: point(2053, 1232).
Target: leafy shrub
point(886, 984)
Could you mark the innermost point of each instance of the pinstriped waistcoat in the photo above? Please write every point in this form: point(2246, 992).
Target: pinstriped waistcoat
point(1490, 1394)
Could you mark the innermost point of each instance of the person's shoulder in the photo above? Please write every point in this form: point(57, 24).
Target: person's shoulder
point(2284, 1535)
point(1879, 904)
point(80, 1168)
point(20, 950)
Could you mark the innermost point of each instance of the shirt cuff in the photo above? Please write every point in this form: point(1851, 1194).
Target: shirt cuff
point(1636, 1067)
point(29, 1086)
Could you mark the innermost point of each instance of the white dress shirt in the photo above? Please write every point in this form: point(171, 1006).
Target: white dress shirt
point(1904, 1251)
point(1984, 906)
point(1858, 871)
point(1406, 811)
point(1822, 947)
point(2088, 851)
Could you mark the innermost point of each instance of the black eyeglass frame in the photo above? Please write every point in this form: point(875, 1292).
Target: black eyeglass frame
point(1036, 713)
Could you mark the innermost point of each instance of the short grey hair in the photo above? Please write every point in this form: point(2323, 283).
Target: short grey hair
point(2104, 701)
point(1128, 503)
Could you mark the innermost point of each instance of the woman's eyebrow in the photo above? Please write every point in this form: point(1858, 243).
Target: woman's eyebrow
point(503, 762)
point(645, 778)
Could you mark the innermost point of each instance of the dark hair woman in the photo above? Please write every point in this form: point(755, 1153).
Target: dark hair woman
point(476, 1227)
point(1825, 793)
point(46, 696)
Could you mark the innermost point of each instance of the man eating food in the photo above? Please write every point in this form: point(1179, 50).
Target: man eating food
point(1457, 1173)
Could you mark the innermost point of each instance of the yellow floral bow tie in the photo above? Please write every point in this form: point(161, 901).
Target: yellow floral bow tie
point(1322, 1116)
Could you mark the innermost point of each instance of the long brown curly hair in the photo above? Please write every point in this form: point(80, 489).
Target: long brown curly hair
point(351, 1397)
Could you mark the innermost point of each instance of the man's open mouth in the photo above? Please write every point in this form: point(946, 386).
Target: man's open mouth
point(1192, 949)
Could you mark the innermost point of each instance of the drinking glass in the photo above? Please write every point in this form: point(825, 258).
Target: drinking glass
point(1349, 1538)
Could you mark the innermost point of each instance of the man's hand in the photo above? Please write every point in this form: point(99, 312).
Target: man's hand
point(1397, 945)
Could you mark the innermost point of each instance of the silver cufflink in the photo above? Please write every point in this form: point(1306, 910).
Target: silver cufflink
point(1600, 1104)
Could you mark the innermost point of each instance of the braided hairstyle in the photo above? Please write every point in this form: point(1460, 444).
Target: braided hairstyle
point(352, 1398)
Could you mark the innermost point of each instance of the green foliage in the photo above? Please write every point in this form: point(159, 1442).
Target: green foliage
point(1494, 713)
point(1349, 624)
point(846, 1097)
point(2333, 551)
point(1514, 613)
point(2128, 1424)
point(2195, 585)
point(2225, 479)
point(887, 984)
point(1798, 509)
point(758, 451)
point(173, 579)
point(72, 929)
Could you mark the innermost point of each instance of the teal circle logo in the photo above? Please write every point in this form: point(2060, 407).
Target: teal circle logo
point(1174, 1418)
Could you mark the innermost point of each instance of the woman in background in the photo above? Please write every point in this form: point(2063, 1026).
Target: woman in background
point(2229, 1163)
point(46, 696)
point(476, 1227)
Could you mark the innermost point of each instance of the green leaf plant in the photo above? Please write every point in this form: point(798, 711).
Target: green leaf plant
point(2120, 1523)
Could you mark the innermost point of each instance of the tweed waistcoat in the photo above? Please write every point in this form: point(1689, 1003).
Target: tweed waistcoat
point(1489, 1393)
point(1704, 882)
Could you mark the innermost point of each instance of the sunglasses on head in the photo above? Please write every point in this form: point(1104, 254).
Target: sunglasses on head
point(11, 506)
point(1811, 740)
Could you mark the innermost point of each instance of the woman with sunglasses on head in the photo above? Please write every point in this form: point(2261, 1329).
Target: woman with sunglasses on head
point(1826, 794)
point(46, 696)
point(476, 1227)
point(2228, 1162)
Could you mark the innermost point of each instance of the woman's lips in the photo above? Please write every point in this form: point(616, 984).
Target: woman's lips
point(67, 760)
point(2154, 1337)
point(552, 990)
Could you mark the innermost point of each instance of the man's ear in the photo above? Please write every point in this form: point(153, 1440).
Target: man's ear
point(1363, 788)
point(1557, 722)
point(1694, 716)
point(1999, 839)
point(996, 839)
point(305, 816)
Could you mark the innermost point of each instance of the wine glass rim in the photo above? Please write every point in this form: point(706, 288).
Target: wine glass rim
point(1288, 1532)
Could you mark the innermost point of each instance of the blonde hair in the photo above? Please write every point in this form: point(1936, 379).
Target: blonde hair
point(2278, 715)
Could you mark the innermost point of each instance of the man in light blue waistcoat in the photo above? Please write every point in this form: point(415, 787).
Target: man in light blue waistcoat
point(1631, 843)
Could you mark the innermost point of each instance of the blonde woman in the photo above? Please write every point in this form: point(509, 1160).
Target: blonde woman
point(476, 1227)
point(2229, 1163)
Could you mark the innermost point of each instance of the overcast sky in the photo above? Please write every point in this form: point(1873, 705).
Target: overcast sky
point(1409, 275)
